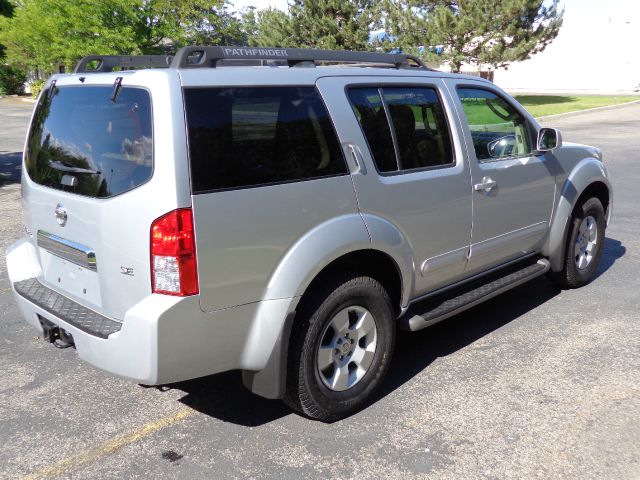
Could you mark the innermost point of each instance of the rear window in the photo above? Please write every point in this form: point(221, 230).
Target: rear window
point(82, 142)
point(249, 137)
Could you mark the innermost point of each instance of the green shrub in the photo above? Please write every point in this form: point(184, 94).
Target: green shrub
point(11, 80)
point(36, 86)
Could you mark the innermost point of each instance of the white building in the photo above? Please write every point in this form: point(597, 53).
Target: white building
point(596, 51)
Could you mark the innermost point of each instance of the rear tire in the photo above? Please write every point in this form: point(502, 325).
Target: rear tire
point(341, 346)
point(584, 247)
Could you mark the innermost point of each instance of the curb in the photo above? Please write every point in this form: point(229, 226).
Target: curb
point(588, 110)
point(17, 98)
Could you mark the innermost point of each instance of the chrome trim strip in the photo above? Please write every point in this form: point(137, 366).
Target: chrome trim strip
point(67, 249)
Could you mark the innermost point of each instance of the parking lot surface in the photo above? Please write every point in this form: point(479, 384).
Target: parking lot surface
point(536, 383)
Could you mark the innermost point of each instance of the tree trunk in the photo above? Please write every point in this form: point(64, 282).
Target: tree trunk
point(487, 75)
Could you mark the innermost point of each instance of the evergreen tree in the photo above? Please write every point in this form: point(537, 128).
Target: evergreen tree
point(488, 33)
point(202, 22)
point(327, 24)
point(271, 28)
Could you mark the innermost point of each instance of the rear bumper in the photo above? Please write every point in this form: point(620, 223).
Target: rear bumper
point(162, 339)
point(66, 309)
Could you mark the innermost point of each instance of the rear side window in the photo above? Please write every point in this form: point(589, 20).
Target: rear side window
point(370, 112)
point(82, 142)
point(248, 137)
point(419, 137)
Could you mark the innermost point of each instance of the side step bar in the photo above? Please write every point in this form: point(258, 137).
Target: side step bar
point(439, 308)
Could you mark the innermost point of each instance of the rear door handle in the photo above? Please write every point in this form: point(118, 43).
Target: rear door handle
point(356, 157)
point(486, 186)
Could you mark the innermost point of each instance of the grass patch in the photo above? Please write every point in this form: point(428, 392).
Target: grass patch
point(541, 105)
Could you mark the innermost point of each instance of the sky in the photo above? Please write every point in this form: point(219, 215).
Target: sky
point(574, 8)
point(595, 10)
point(260, 4)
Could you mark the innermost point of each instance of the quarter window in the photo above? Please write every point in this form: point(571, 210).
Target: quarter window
point(405, 127)
point(498, 130)
point(247, 137)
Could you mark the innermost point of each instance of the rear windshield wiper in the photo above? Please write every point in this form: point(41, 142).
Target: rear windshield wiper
point(64, 168)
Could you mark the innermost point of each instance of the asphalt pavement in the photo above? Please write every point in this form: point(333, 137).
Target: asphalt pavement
point(536, 383)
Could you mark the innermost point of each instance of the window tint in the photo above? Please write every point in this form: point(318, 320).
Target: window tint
point(419, 125)
point(242, 137)
point(82, 142)
point(498, 130)
point(367, 105)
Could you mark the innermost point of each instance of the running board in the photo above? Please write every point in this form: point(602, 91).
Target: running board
point(433, 310)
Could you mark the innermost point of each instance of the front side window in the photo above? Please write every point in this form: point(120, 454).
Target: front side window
point(83, 142)
point(405, 127)
point(498, 130)
point(248, 137)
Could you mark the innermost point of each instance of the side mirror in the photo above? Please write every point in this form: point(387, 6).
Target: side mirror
point(502, 147)
point(548, 139)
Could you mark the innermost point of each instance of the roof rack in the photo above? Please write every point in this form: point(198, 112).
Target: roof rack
point(209, 57)
point(198, 57)
point(106, 63)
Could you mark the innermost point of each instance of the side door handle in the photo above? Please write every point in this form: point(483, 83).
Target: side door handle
point(356, 158)
point(486, 186)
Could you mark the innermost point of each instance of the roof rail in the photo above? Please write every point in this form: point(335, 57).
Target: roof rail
point(203, 57)
point(208, 57)
point(106, 63)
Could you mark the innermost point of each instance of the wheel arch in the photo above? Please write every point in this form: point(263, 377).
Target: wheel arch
point(370, 262)
point(598, 190)
point(342, 243)
point(588, 179)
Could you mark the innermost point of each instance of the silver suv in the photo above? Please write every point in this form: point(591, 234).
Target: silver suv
point(283, 211)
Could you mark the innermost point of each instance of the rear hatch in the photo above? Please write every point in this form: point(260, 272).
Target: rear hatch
point(90, 190)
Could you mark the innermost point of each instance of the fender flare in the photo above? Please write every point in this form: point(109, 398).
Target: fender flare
point(264, 358)
point(387, 238)
point(585, 173)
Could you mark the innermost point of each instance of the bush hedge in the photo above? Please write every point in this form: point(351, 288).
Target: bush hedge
point(36, 86)
point(11, 80)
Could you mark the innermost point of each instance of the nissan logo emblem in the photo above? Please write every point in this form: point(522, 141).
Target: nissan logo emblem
point(61, 215)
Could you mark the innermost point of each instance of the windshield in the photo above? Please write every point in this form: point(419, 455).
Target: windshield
point(82, 142)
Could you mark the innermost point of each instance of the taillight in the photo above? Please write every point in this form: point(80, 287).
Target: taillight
point(174, 270)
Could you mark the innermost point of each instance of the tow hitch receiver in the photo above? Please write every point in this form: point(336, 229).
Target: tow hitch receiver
point(54, 334)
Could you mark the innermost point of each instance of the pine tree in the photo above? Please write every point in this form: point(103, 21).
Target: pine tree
point(329, 24)
point(490, 34)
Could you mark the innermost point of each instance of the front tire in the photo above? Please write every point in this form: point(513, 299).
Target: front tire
point(341, 347)
point(584, 247)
